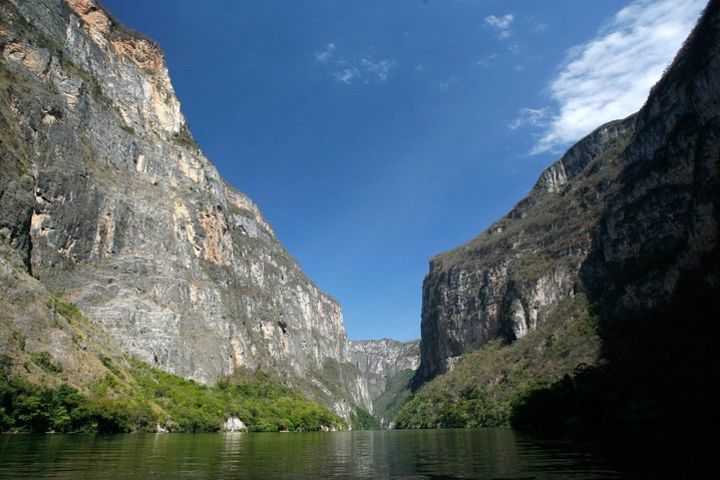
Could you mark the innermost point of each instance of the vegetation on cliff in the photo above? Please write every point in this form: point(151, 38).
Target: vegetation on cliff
point(136, 397)
point(61, 373)
point(397, 392)
point(363, 420)
point(486, 385)
point(659, 370)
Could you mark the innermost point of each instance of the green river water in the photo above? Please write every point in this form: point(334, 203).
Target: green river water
point(429, 454)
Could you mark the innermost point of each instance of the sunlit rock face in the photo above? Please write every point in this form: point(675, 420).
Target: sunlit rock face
point(113, 205)
point(387, 366)
point(628, 215)
point(506, 282)
point(385, 356)
point(379, 360)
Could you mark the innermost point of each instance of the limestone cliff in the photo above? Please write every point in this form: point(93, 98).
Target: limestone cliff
point(388, 366)
point(628, 218)
point(507, 281)
point(384, 357)
point(112, 206)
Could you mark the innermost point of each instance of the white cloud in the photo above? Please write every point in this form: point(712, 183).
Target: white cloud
point(505, 34)
point(347, 75)
point(534, 117)
point(326, 54)
point(380, 69)
point(486, 60)
point(445, 86)
point(502, 23)
point(610, 76)
point(350, 71)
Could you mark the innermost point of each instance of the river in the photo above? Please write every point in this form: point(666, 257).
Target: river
point(429, 454)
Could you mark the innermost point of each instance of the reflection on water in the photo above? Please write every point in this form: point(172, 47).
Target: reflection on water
point(429, 454)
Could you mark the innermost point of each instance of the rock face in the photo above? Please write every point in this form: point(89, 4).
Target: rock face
point(387, 365)
point(113, 206)
point(385, 357)
point(379, 360)
point(661, 228)
point(234, 424)
point(507, 281)
point(627, 215)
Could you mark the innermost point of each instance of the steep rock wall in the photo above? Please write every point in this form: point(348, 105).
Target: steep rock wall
point(506, 282)
point(388, 366)
point(627, 216)
point(113, 206)
point(385, 356)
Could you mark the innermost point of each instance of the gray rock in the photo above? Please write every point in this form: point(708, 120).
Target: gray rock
point(385, 356)
point(114, 206)
point(626, 216)
point(386, 365)
point(506, 282)
point(234, 424)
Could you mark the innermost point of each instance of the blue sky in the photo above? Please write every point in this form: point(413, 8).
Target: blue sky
point(375, 134)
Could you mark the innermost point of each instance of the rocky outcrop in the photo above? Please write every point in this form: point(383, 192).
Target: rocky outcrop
point(385, 357)
point(626, 216)
point(379, 360)
point(661, 228)
point(234, 424)
point(506, 282)
point(112, 206)
point(387, 365)
point(653, 273)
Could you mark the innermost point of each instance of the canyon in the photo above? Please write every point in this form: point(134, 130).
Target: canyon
point(122, 249)
point(107, 203)
point(578, 295)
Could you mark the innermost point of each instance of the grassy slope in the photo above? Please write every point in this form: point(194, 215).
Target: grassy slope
point(486, 385)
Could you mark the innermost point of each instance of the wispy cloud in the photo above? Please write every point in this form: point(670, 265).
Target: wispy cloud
point(326, 54)
point(534, 117)
point(505, 34)
point(501, 25)
point(380, 69)
point(445, 85)
point(486, 60)
point(610, 76)
point(347, 75)
point(359, 70)
point(502, 22)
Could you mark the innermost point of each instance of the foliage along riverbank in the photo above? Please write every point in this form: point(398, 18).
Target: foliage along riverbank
point(137, 397)
point(489, 384)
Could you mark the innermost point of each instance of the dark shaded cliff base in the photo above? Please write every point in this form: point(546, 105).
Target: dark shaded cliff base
point(485, 385)
point(661, 371)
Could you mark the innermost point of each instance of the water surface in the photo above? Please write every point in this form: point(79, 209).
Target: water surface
point(428, 454)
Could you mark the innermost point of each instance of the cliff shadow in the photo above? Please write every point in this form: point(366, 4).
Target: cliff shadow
point(653, 282)
point(658, 369)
